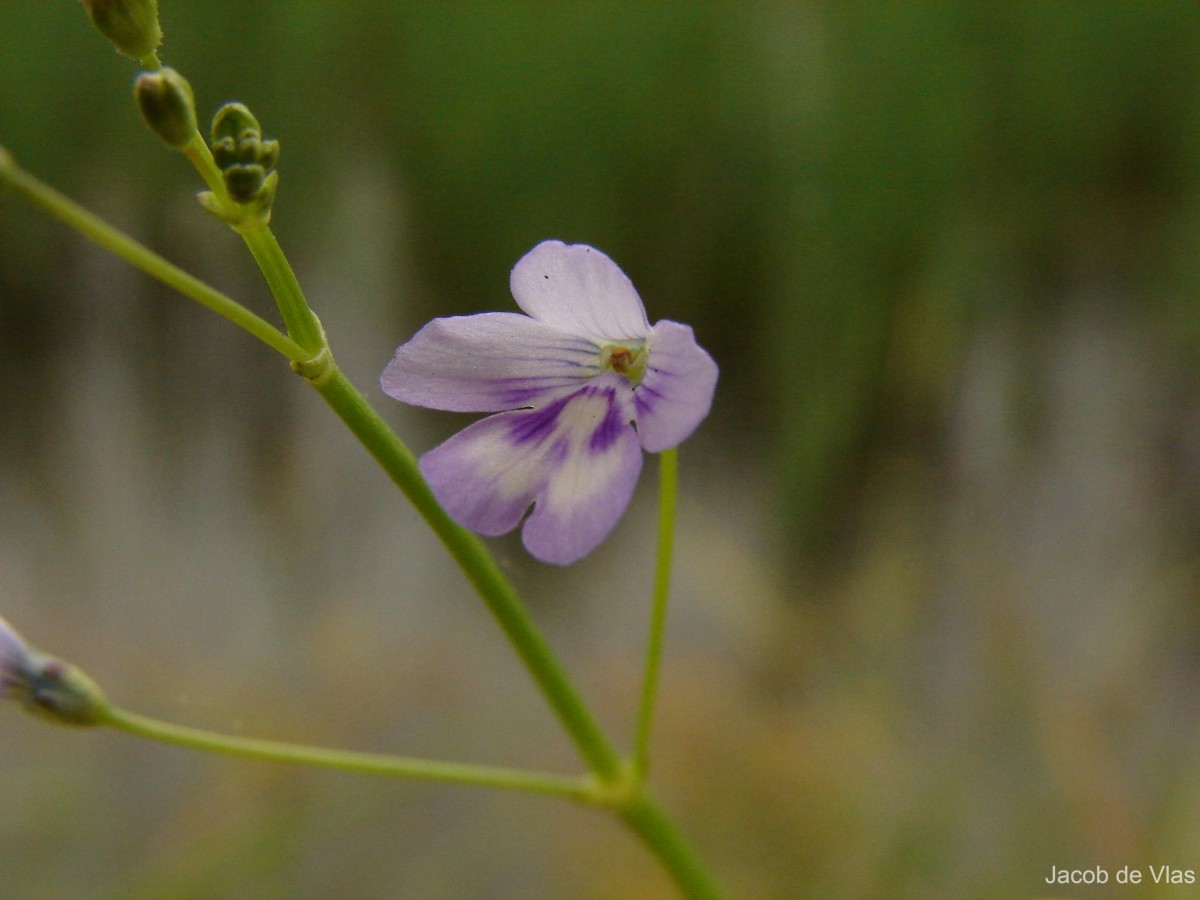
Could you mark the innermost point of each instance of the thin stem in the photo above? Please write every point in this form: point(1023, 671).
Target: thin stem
point(350, 761)
point(299, 319)
point(652, 825)
point(200, 156)
point(490, 583)
point(301, 322)
point(639, 811)
point(100, 232)
point(668, 481)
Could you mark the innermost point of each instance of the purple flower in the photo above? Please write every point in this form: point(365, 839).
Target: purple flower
point(581, 385)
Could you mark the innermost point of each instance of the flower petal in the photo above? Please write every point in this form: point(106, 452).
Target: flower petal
point(577, 460)
point(487, 363)
point(677, 389)
point(586, 494)
point(483, 476)
point(578, 289)
point(14, 658)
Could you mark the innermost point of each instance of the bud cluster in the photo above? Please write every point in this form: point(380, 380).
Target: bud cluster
point(244, 158)
point(247, 164)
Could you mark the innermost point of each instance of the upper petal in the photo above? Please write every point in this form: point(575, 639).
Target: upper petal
point(577, 460)
point(677, 389)
point(488, 362)
point(578, 289)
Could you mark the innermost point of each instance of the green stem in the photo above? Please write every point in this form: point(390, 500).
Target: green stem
point(468, 551)
point(640, 812)
point(667, 492)
point(652, 825)
point(301, 322)
point(299, 319)
point(350, 761)
point(200, 156)
point(97, 230)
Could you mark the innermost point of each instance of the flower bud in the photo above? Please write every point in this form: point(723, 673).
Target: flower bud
point(49, 687)
point(59, 691)
point(130, 24)
point(166, 101)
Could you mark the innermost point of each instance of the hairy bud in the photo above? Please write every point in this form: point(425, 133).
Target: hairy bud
point(166, 102)
point(132, 25)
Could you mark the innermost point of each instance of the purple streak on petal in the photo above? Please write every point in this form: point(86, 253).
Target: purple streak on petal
point(590, 487)
point(575, 460)
point(677, 389)
point(487, 363)
point(611, 429)
point(537, 427)
point(578, 289)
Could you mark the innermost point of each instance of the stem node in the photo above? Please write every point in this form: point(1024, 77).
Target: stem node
point(317, 370)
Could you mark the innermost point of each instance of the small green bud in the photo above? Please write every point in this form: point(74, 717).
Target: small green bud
point(244, 182)
point(244, 217)
point(166, 101)
point(130, 24)
point(268, 155)
point(265, 199)
point(231, 119)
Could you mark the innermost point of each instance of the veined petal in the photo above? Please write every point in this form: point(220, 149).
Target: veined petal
point(677, 389)
point(578, 289)
point(487, 363)
point(576, 459)
point(589, 489)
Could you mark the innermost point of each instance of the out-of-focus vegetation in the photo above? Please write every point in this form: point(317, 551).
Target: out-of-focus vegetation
point(935, 622)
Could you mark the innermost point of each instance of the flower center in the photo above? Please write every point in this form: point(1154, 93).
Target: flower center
point(627, 361)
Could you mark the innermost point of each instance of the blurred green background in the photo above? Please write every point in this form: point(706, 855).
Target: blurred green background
point(935, 625)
